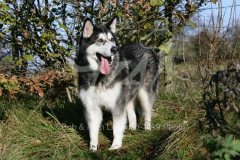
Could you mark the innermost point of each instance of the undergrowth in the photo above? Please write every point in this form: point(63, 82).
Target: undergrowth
point(53, 128)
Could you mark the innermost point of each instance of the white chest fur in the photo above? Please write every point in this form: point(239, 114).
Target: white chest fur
point(100, 96)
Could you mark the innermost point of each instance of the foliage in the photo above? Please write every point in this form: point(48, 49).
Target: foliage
point(219, 147)
point(226, 46)
point(53, 128)
point(38, 36)
point(35, 84)
point(221, 97)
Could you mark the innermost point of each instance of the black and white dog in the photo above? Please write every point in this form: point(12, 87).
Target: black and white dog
point(115, 79)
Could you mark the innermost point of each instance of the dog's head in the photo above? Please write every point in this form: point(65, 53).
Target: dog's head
point(100, 44)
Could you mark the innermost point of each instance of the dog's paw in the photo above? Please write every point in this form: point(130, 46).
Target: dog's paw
point(114, 147)
point(93, 148)
point(147, 126)
point(132, 127)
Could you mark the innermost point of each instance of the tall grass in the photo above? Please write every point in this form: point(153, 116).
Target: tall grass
point(53, 128)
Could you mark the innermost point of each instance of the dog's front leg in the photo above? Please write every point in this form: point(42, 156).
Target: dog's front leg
point(119, 124)
point(94, 119)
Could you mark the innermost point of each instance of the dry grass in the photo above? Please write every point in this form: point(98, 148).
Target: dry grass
point(33, 128)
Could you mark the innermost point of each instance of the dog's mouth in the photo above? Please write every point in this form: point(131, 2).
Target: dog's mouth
point(106, 62)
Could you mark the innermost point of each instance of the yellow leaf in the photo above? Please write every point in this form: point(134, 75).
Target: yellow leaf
point(20, 43)
point(214, 1)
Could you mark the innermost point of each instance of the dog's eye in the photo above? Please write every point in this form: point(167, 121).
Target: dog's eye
point(112, 39)
point(100, 40)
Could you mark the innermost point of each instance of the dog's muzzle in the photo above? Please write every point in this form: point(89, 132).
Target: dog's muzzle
point(114, 50)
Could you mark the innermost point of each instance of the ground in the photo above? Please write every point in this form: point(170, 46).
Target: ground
point(53, 128)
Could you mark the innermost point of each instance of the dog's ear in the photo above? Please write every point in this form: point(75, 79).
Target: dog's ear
point(112, 24)
point(87, 28)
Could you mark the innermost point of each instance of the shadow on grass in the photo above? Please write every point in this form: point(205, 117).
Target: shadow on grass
point(72, 115)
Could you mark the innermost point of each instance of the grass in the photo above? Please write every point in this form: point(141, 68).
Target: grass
point(35, 128)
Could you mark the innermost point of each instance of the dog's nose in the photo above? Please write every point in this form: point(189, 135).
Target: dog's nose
point(114, 50)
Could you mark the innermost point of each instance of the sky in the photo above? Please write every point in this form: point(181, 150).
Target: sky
point(226, 4)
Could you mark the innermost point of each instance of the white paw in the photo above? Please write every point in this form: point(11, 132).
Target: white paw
point(114, 147)
point(147, 126)
point(93, 148)
point(132, 128)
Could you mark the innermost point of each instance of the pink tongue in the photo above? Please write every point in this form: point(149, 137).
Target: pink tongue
point(104, 68)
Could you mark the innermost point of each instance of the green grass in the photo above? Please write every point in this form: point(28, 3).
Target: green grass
point(35, 128)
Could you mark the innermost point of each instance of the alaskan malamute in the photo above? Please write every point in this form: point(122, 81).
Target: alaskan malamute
point(118, 79)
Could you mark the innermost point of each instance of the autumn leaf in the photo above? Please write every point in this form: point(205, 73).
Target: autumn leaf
point(3, 79)
point(31, 89)
point(23, 79)
point(13, 80)
point(214, 1)
point(39, 90)
point(41, 94)
point(14, 77)
point(52, 74)
point(19, 43)
point(36, 79)
point(12, 92)
point(45, 77)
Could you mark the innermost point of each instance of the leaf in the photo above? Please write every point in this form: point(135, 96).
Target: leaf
point(39, 90)
point(54, 10)
point(227, 156)
point(19, 43)
point(144, 37)
point(56, 2)
point(8, 59)
point(3, 80)
point(62, 26)
point(228, 141)
point(45, 77)
point(233, 153)
point(156, 2)
point(44, 47)
point(28, 57)
point(31, 89)
point(118, 13)
point(19, 61)
point(166, 47)
point(4, 7)
point(147, 26)
point(214, 1)
point(192, 24)
point(236, 145)
point(133, 38)
point(41, 94)
point(50, 19)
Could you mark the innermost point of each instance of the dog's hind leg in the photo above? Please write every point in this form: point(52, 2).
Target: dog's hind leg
point(146, 101)
point(94, 119)
point(119, 124)
point(132, 119)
